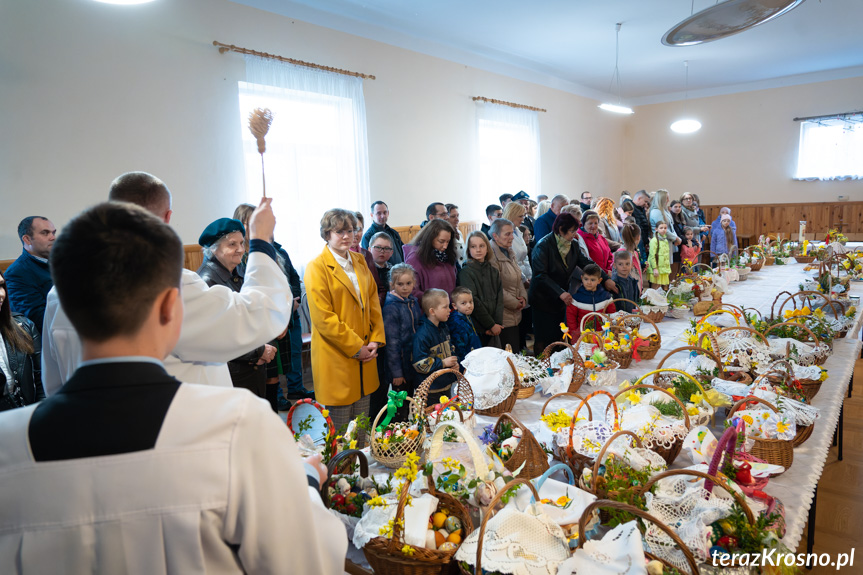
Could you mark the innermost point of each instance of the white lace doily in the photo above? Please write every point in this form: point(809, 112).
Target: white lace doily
point(653, 428)
point(801, 413)
point(619, 552)
point(416, 520)
point(554, 489)
point(521, 543)
point(489, 375)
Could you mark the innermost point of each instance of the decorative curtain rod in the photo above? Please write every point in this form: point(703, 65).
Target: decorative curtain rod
point(829, 116)
point(231, 48)
point(510, 104)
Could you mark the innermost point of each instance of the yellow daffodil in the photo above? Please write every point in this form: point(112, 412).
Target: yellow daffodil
point(692, 410)
point(633, 398)
point(563, 501)
point(353, 444)
point(696, 398)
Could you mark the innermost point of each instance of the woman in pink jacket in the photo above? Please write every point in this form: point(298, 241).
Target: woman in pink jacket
point(597, 246)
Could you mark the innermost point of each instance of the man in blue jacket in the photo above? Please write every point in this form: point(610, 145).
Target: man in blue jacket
point(28, 279)
point(542, 225)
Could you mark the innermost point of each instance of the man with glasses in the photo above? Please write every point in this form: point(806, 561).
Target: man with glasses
point(380, 214)
point(435, 211)
point(586, 198)
point(381, 248)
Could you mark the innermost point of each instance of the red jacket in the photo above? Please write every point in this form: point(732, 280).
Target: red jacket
point(598, 250)
point(578, 309)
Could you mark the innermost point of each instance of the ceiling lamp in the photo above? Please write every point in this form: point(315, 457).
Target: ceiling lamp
point(616, 108)
point(726, 19)
point(686, 125)
point(124, 2)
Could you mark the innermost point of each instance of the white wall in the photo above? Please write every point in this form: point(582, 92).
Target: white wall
point(746, 150)
point(89, 91)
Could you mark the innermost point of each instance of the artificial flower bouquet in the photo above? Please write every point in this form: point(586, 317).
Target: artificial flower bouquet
point(601, 370)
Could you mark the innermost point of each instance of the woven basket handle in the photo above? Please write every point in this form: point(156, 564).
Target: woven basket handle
point(334, 463)
point(750, 399)
point(707, 477)
point(566, 393)
point(719, 311)
point(697, 349)
point(590, 334)
point(653, 387)
point(725, 448)
point(608, 504)
point(794, 324)
point(778, 313)
point(584, 402)
point(491, 511)
point(570, 476)
point(624, 299)
point(479, 462)
point(621, 319)
point(604, 448)
point(422, 392)
point(600, 315)
point(400, 514)
point(743, 328)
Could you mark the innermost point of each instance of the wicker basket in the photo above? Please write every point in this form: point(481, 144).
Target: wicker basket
point(488, 515)
point(508, 403)
point(664, 380)
point(568, 454)
point(464, 394)
point(631, 322)
point(677, 312)
point(725, 452)
point(341, 465)
point(705, 307)
point(579, 374)
point(623, 358)
point(656, 316)
point(385, 554)
point(669, 453)
point(755, 265)
point(601, 504)
point(607, 373)
point(393, 455)
point(650, 345)
point(804, 259)
point(775, 451)
point(820, 353)
point(528, 452)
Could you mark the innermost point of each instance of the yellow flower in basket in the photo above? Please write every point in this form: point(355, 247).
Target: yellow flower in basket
point(633, 398)
point(696, 398)
point(692, 410)
point(781, 427)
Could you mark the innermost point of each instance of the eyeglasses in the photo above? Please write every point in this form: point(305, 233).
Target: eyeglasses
point(382, 248)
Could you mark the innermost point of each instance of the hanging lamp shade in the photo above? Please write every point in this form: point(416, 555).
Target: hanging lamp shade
point(726, 19)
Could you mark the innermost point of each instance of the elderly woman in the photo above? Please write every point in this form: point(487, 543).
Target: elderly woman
point(20, 357)
point(598, 248)
point(556, 261)
point(515, 214)
point(224, 248)
point(514, 294)
point(347, 326)
point(432, 255)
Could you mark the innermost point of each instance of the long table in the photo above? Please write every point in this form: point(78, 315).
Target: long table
point(797, 486)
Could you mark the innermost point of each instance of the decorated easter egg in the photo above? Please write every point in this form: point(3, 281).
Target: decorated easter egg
point(452, 523)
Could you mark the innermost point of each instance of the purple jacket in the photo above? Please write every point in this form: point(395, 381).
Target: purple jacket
point(440, 276)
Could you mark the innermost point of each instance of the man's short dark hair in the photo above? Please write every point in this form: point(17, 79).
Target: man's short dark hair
point(377, 203)
point(592, 270)
point(432, 209)
point(582, 194)
point(503, 198)
point(490, 210)
point(25, 228)
point(109, 264)
point(141, 189)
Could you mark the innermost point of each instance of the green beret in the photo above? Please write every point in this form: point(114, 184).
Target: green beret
point(522, 195)
point(218, 229)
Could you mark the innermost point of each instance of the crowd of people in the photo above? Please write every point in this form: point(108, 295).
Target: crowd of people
point(100, 325)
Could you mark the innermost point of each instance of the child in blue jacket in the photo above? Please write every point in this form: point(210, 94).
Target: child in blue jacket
point(402, 315)
point(461, 329)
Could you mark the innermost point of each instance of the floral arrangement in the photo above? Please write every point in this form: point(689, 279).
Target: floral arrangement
point(478, 491)
point(734, 535)
point(504, 442)
point(349, 494)
point(694, 331)
point(558, 420)
point(598, 360)
point(835, 235)
point(619, 482)
point(397, 432)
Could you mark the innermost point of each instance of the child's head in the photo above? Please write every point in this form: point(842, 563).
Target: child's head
point(688, 233)
point(661, 228)
point(623, 263)
point(402, 280)
point(478, 247)
point(725, 220)
point(436, 305)
point(462, 300)
point(591, 276)
point(631, 234)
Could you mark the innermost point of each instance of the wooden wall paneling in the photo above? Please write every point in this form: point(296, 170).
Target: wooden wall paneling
point(785, 218)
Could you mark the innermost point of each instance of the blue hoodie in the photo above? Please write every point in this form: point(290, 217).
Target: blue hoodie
point(401, 320)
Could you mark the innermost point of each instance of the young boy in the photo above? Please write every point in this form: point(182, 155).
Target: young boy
point(461, 328)
point(126, 466)
point(626, 284)
point(432, 347)
point(591, 296)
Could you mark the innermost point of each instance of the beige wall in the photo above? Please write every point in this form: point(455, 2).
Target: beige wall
point(746, 150)
point(88, 91)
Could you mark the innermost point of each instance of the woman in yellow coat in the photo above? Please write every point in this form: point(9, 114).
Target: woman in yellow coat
point(347, 326)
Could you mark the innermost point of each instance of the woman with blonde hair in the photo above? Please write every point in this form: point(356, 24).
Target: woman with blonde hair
point(608, 223)
point(347, 325)
point(543, 207)
point(659, 213)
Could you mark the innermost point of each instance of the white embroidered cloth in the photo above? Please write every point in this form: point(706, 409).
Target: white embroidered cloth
point(489, 375)
point(619, 552)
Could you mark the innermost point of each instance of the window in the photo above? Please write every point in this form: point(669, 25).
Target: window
point(831, 148)
point(508, 140)
point(316, 157)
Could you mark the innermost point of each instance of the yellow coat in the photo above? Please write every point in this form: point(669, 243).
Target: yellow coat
point(340, 327)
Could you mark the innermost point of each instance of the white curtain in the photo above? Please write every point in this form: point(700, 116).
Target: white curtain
point(509, 155)
point(831, 149)
point(317, 150)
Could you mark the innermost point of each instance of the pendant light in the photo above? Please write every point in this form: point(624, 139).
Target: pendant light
point(616, 108)
point(686, 125)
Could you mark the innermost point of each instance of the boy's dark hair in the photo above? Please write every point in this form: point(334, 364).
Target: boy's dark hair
point(141, 189)
point(592, 270)
point(504, 197)
point(25, 227)
point(622, 256)
point(432, 298)
point(459, 290)
point(489, 210)
point(109, 264)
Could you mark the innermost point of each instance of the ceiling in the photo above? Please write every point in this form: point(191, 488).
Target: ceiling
point(569, 44)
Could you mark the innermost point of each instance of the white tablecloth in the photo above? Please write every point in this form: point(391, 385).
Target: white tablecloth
point(796, 486)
